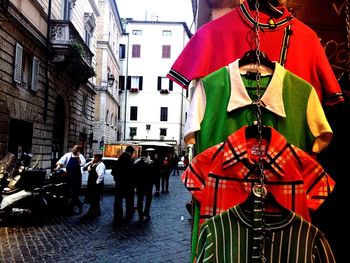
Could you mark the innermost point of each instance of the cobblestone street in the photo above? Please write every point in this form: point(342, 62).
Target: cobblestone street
point(164, 238)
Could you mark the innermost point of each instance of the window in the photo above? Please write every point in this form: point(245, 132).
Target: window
point(85, 105)
point(34, 80)
point(107, 116)
point(133, 113)
point(162, 132)
point(166, 33)
point(67, 9)
point(136, 51)
point(18, 64)
point(112, 120)
point(148, 127)
point(133, 131)
point(164, 114)
point(137, 32)
point(122, 51)
point(89, 27)
point(26, 69)
point(118, 113)
point(121, 82)
point(134, 83)
point(166, 51)
point(164, 85)
point(88, 36)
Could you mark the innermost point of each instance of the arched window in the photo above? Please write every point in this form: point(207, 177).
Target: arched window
point(107, 116)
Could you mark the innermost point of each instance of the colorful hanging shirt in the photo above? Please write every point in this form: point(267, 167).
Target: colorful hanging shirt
point(289, 238)
point(222, 176)
point(286, 40)
point(223, 102)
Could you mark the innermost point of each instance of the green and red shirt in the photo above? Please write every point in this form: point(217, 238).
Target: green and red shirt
point(223, 102)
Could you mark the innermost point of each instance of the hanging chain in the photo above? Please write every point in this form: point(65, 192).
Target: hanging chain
point(258, 95)
point(259, 190)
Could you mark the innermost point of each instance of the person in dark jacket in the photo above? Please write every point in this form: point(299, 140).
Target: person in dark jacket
point(157, 168)
point(165, 173)
point(124, 185)
point(144, 179)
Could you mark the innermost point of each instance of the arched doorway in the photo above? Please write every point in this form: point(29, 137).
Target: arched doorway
point(58, 132)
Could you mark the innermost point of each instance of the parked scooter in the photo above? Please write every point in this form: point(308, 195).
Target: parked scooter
point(22, 196)
point(56, 191)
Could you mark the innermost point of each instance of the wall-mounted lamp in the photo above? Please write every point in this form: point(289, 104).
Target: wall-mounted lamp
point(111, 79)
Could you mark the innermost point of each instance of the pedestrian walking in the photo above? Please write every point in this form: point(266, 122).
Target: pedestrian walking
point(175, 165)
point(124, 185)
point(165, 173)
point(97, 170)
point(144, 183)
point(156, 169)
point(73, 161)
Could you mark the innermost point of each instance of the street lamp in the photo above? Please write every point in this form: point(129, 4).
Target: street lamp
point(110, 79)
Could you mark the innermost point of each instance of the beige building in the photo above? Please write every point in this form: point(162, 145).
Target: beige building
point(109, 32)
point(47, 63)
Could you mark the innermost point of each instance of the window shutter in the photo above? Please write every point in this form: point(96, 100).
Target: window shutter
point(140, 82)
point(128, 83)
point(122, 51)
point(17, 71)
point(170, 85)
point(159, 83)
point(35, 74)
point(121, 82)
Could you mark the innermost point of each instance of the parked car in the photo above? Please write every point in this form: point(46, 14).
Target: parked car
point(108, 179)
point(181, 164)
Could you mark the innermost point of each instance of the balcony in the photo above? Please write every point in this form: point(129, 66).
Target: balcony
point(164, 91)
point(134, 90)
point(70, 53)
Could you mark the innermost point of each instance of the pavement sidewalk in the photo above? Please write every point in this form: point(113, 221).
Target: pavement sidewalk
point(164, 238)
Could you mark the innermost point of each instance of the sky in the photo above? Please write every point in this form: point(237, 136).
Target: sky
point(164, 10)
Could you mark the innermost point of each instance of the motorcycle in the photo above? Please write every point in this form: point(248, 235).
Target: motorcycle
point(23, 198)
point(57, 193)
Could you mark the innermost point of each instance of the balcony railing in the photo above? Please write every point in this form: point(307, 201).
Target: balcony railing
point(70, 52)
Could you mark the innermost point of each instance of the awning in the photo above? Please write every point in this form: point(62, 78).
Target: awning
point(155, 143)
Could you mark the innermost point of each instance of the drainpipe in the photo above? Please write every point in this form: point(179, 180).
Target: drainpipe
point(126, 84)
point(47, 81)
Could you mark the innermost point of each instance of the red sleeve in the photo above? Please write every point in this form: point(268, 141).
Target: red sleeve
point(318, 184)
point(196, 174)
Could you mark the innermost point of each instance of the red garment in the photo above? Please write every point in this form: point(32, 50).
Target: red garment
point(222, 176)
point(286, 39)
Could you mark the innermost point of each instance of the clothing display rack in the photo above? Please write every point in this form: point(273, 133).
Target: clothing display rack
point(245, 141)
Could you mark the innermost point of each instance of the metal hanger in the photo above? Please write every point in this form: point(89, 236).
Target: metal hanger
point(267, 7)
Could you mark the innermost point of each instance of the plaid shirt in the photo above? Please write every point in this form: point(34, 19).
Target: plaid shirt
point(222, 176)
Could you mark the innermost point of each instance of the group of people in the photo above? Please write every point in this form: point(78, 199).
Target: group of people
point(140, 174)
point(73, 161)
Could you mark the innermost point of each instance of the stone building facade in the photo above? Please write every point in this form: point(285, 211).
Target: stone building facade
point(46, 77)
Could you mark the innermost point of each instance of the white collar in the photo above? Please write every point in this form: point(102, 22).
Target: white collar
point(272, 97)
